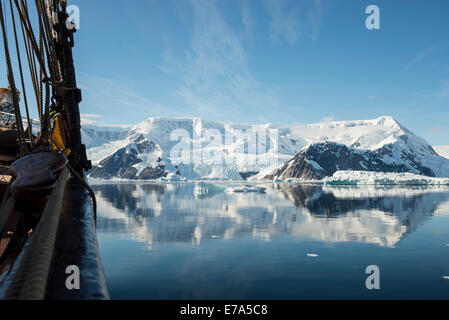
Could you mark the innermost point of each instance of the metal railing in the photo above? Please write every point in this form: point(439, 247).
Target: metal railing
point(33, 121)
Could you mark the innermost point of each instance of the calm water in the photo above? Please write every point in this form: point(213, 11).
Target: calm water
point(188, 241)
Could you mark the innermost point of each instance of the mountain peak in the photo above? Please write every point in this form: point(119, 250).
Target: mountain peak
point(390, 121)
point(155, 138)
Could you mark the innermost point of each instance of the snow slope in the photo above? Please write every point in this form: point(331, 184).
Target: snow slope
point(382, 178)
point(380, 145)
point(144, 150)
point(442, 151)
point(102, 141)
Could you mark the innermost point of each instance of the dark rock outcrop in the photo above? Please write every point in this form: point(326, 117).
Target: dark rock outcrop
point(118, 165)
point(246, 175)
point(153, 173)
point(322, 160)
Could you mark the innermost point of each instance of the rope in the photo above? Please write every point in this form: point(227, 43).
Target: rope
point(8, 205)
point(54, 67)
point(23, 118)
point(30, 280)
point(45, 123)
point(24, 17)
point(46, 43)
point(55, 71)
point(19, 60)
point(83, 182)
point(19, 124)
point(88, 188)
point(39, 52)
point(41, 75)
point(32, 67)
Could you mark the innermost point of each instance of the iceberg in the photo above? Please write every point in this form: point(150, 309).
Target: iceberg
point(246, 189)
point(381, 178)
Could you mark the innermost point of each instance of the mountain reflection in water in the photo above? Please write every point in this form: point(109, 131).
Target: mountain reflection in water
point(287, 241)
point(193, 213)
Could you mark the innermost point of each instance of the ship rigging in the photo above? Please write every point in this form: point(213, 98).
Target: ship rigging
point(47, 212)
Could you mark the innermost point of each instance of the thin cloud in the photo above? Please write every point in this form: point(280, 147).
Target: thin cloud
point(247, 17)
point(106, 94)
point(435, 130)
point(417, 59)
point(292, 19)
point(214, 75)
point(91, 115)
point(315, 16)
point(90, 118)
point(284, 21)
point(440, 94)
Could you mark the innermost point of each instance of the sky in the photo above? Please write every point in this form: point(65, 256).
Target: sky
point(259, 61)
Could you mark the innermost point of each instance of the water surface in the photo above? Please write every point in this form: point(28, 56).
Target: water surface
point(196, 241)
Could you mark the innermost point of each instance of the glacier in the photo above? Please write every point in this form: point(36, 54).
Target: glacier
point(382, 178)
point(442, 151)
point(144, 151)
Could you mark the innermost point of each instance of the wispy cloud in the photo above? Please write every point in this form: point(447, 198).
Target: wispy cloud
point(106, 94)
point(284, 20)
point(215, 77)
point(422, 55)
point(419, 57)
point(435, 130)
point(90, 118)
point(292, 19)
point(315, 17)
point(247, 17)
point(440, 94)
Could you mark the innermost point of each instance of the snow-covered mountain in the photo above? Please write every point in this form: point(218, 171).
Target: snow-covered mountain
point(147, 150)
point(149, 213)
point(380, 145)
point(442, 151)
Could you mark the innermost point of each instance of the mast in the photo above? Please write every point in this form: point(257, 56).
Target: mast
point(72, 94)
point(42, 183)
